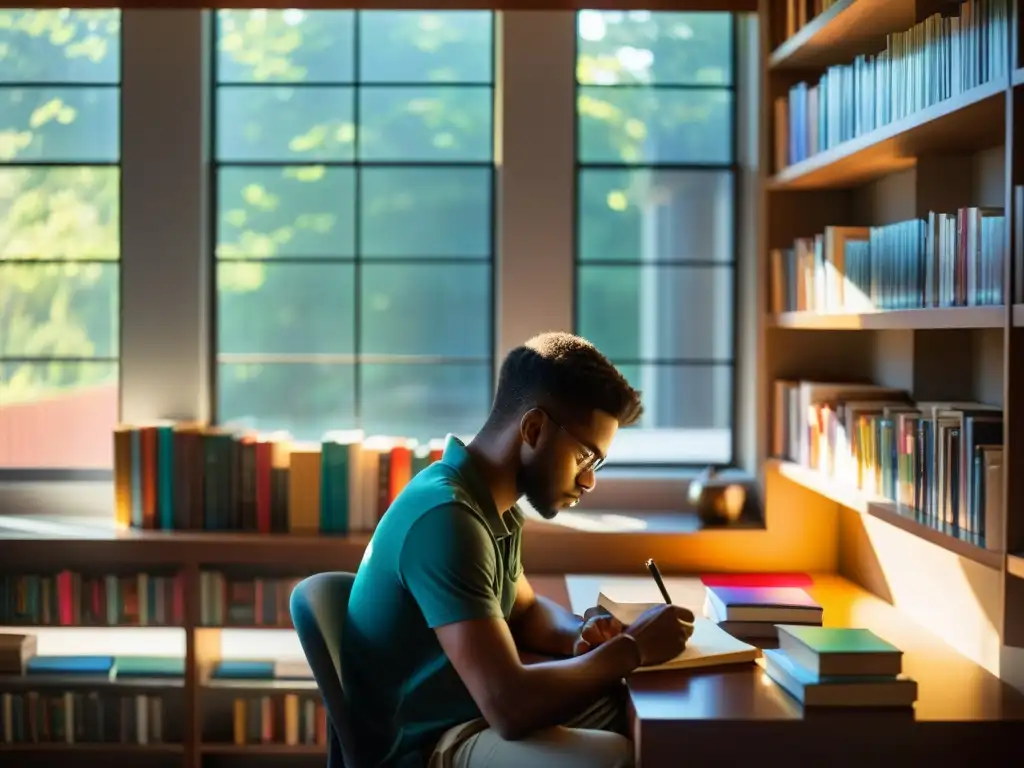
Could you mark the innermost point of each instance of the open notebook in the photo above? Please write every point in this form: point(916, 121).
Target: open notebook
point(709, 645)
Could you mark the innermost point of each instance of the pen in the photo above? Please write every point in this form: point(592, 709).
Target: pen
point(653, 568)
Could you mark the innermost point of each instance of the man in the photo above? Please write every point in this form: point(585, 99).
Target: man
point(440, 609)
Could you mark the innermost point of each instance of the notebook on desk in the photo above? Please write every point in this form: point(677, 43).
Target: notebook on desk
point(708, 646)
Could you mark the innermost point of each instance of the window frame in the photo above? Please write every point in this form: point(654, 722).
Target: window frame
point(358, 260)
point(167, 309)
point(87, 474)
point(623, 466)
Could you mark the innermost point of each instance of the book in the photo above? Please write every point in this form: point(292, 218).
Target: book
point(243, 669)
point(777, 605)
point(150, 666)
point(813, 690)
point(839, 650)
point(709, 645)
point(99, 667)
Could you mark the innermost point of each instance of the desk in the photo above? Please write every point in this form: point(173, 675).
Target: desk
point(737, 713)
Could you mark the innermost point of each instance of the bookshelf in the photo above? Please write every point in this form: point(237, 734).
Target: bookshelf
point(891, 266)
point(197, 709)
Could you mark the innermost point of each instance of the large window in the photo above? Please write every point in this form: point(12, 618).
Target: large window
point(655, 223)
point(60, 74)
point(354, 226)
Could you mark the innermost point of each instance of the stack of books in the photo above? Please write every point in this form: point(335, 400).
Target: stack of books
point(15, 652)
point(839, 667)
point(752, 613)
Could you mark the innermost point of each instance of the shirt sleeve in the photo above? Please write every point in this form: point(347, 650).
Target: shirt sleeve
point(449, 566)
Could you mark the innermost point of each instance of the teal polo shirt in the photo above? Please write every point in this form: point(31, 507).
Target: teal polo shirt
point(441, 554)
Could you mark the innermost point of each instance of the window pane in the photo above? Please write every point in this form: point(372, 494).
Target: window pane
point(655, 215)
point(434, 46)
point(641, 47)
point(60, 125)
point(437, 123)
point(60, 46)
point(59, 310)
point(60, 213)
point(77, 401)
point(643, 125)
point(285, 308)
point(657, 313)
point(683, 396)
point(284, 123)
point(426, 309)
point(443, 212)
point(425, 401)
point(303, 211)
point(284, 46)
point(305, 399)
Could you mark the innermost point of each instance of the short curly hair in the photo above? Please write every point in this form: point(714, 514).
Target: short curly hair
point(566, 371)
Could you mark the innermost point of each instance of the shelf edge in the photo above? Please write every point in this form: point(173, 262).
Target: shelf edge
point(1015, 565)
point(883, 510)
point(792, 175)
point(899, 319)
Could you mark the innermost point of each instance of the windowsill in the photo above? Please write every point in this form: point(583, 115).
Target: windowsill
point(625, 500)
point(620, 522)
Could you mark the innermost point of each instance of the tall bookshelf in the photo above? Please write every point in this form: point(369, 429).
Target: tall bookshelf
point(197, 708)
point(877, 116)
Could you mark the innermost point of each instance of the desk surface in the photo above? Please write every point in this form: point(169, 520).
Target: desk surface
point(950, 686)
point(961, 710)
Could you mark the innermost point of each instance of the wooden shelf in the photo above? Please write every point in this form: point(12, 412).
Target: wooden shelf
point(181, 548)
point(1018, 314)
point(1015, 565)
point(944, 317)
point(971, 121)
point(885, 510)
point(848, 28)
point(254, 750)
point(113, 748)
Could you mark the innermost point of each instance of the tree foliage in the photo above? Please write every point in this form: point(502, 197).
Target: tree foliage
point(302, 95)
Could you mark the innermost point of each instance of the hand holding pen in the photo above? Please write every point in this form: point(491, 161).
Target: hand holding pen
point(661, 631)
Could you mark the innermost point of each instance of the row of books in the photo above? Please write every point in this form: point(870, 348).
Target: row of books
point(95, 668)
point(272, 718)
point(83, 717)
point(941, 462)
point(23, 665)
point(187, 476)
point(262, 670)
point(943, 56)
point(242, 601)
point(947, 260)
point(69, 598)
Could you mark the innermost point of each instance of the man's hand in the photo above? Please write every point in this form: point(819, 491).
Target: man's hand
point(598, 627)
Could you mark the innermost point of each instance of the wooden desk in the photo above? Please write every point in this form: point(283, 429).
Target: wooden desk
point(737, 713)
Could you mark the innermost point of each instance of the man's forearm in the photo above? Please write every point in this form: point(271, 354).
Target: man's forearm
point(550, 693)
point(547, 628)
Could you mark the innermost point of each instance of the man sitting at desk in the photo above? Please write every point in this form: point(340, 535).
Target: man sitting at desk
point(440, 608)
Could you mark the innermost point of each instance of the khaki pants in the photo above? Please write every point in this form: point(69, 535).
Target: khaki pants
point(593, 739)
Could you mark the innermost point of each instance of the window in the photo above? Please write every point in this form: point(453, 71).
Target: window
point(354, 224)
point(60, 75)
point(655, 222)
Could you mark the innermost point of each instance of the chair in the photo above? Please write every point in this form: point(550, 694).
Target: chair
point(318, 606)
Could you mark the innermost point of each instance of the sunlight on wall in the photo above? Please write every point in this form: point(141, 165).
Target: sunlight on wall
point(260, 644)
point(933, 585)
point(112, 641)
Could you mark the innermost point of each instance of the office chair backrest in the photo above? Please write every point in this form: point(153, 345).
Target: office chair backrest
point(319, 607)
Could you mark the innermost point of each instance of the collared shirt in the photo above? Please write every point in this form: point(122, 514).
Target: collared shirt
point(442, 553)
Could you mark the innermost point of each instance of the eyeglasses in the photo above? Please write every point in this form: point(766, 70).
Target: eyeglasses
point(590, 459)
